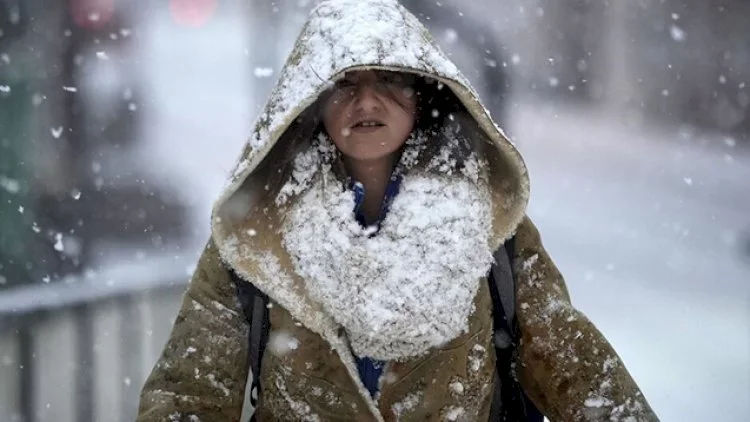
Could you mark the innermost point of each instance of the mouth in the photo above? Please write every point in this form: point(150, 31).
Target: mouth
point(368, 124)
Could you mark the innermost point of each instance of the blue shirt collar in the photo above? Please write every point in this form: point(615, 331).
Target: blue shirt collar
point(391, 190)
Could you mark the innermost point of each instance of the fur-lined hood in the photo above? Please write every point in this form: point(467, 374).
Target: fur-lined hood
point(341, 36)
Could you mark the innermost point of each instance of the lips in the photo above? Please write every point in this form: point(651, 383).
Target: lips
point(368, 123)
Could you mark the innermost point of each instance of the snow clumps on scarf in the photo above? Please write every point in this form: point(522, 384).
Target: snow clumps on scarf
point(409, 285)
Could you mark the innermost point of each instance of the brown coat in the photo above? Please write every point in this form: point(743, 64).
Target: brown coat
point(565, 365)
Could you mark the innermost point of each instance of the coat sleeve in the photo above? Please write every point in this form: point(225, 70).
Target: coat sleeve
point(202, 371)
point(566, 366)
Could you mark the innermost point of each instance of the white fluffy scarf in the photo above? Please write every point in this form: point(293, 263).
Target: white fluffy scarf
point(410, 286)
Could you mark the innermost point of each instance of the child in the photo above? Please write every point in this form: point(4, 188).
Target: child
point(372, 210)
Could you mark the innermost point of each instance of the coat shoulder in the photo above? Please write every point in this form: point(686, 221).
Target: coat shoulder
point(202, 371)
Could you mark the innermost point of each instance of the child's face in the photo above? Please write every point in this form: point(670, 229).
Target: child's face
point(370, 114)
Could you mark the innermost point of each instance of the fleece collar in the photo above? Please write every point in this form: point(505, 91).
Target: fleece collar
point(410, 286)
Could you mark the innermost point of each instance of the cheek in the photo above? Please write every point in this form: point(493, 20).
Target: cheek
point(332, 115)
point(333, 122)
point(401, 126)
point(407, 115)
point(405, 97)
point(406, 125)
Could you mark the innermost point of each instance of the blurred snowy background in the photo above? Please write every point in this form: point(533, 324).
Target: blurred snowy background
point(120, 119)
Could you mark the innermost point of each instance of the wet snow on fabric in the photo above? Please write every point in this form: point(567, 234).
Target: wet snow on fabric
point(281, 343)
point(457, 387)
point(306, 165)
point(410, 286)
point(410, 402)
point(374, 32)
point(302, 410)
point(454, 413)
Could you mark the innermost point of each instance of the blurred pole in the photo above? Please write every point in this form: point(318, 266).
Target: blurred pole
point(26, 365)
point(678, 61)
point(85, 387)
point(563, 29)
point(66, 147)
point(265, 35)
point(613, 66)
point(131, 324)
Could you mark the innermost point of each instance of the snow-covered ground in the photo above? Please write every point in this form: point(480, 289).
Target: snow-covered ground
point(646, 223)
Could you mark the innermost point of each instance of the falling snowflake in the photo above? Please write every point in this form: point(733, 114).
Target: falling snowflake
point(10, 185)
point(56, 131)
point(59, 243)
point(677, 33)
point(263, 72)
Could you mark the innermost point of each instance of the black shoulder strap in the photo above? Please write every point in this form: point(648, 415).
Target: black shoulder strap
point(509, 402)
point(255, 306)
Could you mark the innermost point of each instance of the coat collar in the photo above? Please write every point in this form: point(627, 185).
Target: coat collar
point(391, 190)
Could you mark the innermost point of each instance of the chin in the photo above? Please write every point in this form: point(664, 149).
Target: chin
point(367, 150)
point(369, 155)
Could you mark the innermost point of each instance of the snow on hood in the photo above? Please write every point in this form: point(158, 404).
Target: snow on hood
point(340, 36)
point(344, 35)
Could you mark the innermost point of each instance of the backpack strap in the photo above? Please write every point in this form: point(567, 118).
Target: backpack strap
point(255, 307)
point(509, 402)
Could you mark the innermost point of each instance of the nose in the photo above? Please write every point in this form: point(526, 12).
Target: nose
point(366, 98)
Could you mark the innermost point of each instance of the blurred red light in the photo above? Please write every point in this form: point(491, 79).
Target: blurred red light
point(192, 13)
point(91, 14)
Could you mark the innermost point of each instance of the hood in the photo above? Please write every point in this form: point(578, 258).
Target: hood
point(340, 36)
point(345, 35)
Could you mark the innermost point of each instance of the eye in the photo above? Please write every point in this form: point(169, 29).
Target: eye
point(391, 79)
point(344, 87)
point(344, 83)
point(396, 80)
